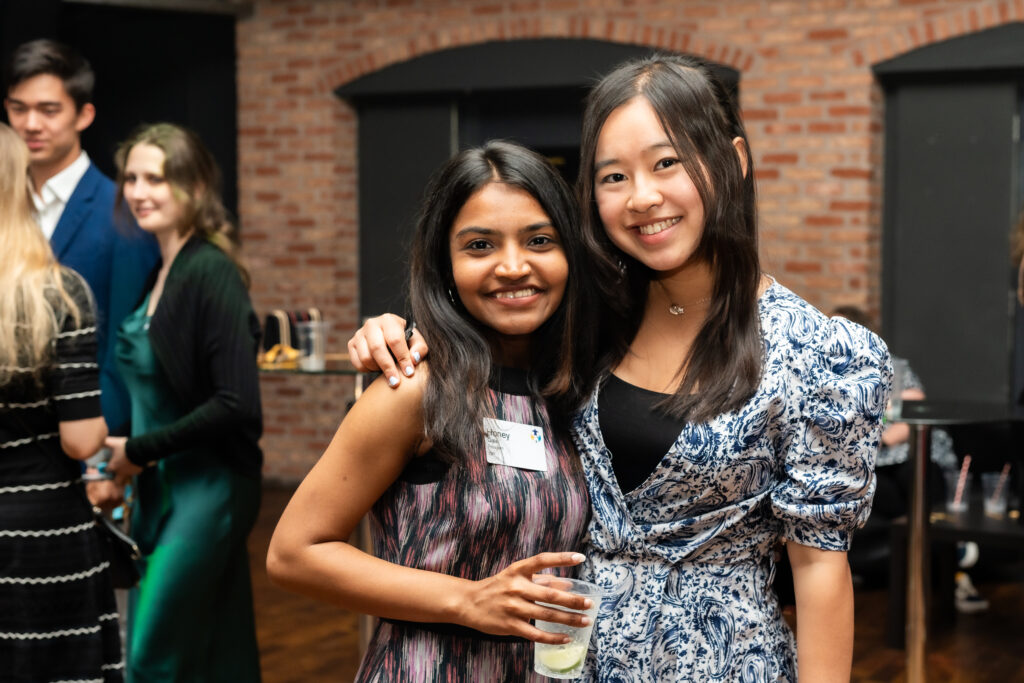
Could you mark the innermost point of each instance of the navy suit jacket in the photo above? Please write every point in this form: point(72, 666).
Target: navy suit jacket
point(114, 256)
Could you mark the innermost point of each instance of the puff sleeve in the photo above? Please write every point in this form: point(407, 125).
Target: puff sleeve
point(841, 383)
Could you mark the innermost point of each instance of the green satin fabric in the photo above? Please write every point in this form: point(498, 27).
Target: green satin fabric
point(191, 616)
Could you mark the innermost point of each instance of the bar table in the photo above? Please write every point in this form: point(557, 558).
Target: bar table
point(920, 416)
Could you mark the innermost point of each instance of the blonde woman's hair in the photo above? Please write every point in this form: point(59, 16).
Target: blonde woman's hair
point(195, 180)
point(31, 281)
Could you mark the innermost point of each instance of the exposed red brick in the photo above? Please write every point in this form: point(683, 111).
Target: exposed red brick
point(855, 173)
point(802, 266)
point(781, 158)
point(830, 95)
point(826, 127)
point(823, 221)
point(840, 205)
point(828, 34)
point(849, 111)
point(760, 114)
point(783, 98)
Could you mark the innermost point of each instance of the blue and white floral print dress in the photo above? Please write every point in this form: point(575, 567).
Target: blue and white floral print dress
point(686, 557)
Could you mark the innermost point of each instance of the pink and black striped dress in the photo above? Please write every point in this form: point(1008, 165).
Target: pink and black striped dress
point(472, 520)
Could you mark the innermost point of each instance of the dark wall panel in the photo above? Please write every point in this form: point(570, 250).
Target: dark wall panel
point(399, 147)
point(154, 66)
point(949, 204)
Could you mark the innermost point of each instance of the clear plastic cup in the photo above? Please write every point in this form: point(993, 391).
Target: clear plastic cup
point(996, 489)
point(954, 505)
point(311, 339)
point(566, 661)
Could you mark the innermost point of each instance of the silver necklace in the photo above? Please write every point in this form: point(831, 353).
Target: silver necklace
point(678, 309)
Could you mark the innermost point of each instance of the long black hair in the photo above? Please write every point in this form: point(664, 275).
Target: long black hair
point(563, 356)
point(701, 119)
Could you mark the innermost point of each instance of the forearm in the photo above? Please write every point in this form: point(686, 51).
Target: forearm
point(338, 573)
point(209, 420)
point(824, 614)
point(80, 439)
point(896, 433)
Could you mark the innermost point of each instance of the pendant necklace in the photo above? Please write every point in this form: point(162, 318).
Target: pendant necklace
point(680, 309)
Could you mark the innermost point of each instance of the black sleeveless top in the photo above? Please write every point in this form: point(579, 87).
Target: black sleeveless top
point(635, 432)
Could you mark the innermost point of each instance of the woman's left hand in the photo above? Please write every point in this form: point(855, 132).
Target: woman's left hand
point(123, 468)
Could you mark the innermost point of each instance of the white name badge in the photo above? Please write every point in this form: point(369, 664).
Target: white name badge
point(514, 445)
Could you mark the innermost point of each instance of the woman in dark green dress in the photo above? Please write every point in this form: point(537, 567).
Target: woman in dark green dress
point(188, 357)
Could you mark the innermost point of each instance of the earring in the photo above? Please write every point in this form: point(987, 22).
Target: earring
point(450, 297)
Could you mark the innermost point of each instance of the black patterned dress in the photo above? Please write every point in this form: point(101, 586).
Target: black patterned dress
point(472, 520)
point(58, 618)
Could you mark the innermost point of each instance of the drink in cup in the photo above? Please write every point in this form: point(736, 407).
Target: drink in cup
point(958, 489)
point(566, 661)
point(996, 492)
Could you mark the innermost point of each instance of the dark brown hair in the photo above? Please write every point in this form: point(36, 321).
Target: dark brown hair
point(44, 56)
point(724, 365)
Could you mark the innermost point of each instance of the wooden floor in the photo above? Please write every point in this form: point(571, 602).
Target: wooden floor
point(302, 641)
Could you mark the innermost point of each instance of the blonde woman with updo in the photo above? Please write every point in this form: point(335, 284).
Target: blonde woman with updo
point(58, 619)
point(188, 357)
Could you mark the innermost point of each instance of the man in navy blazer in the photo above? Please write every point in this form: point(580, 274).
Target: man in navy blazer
point(49, 104)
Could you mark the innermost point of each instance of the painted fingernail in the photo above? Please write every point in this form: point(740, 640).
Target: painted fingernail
point(408, 371)
point(587, 604)
point(392, 381)
point(416, 356)
point(585, 621)
point(578, 557)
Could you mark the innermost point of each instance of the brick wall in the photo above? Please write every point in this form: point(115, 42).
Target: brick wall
point(812, 108)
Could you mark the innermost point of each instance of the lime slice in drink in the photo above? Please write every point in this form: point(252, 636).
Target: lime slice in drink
point(563, 658)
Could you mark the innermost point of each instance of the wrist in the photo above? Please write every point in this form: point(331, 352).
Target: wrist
point(133, 456)
point(454, 601)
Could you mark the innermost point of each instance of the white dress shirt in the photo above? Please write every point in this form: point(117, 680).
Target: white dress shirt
point(55, 193)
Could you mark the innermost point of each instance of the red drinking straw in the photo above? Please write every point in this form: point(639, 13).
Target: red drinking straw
point(1002, 481)
point(962, 480)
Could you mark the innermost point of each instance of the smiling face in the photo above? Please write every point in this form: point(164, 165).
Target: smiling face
point(151, 198)
point(42, 112)
point(648, 203)
point(508, 265)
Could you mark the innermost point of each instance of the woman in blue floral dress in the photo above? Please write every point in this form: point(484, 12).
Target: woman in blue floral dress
point(731, 415)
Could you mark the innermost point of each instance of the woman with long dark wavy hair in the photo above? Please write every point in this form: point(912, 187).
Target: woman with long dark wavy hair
point(58, 618)
point(731, 415)
point(188, 357)
point(460, 524)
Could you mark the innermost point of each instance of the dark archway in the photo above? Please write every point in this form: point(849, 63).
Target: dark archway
point(953, 187)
